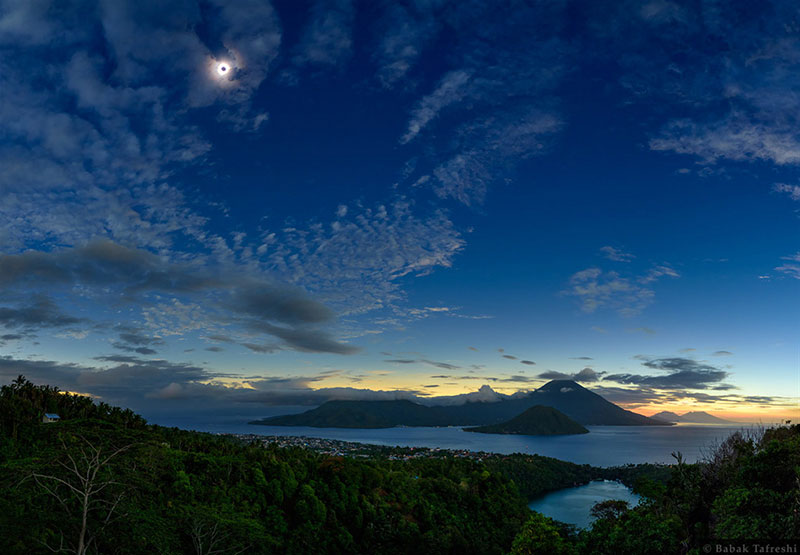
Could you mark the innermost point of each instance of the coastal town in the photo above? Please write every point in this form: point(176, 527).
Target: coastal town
point(339, 448)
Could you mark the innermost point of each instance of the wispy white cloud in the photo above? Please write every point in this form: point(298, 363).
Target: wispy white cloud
point(450, 90)
point(792, 190)
point(791, 267)
point(615, 254)
point(628, 295)
point(492, 106)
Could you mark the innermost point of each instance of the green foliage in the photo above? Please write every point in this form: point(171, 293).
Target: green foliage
point(173, 491)
point(160, 490)
point(748, 487)
point(535, 475)
point(541, 535)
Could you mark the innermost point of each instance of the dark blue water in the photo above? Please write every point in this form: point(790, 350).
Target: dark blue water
point(574, 505)
point(603, 446)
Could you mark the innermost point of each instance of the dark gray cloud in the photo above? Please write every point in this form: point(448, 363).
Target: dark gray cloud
point(528, 362)
point(135, 340)
point(220, 338)
point(581, 358)
point(586, 375)
point(677, 364)
point(141, 350)
point(436, 364)
point(215, 349)
point(510, 357)
point(280, 311)
point(683, 373)
point(643, 395)
point(256, 348)
point(267, 302)
point(39, 312)
point(11, 336)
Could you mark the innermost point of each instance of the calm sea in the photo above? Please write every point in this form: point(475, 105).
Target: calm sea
point(603, 446)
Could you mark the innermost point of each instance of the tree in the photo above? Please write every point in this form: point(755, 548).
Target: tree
point(82, 485)
point(540, 535)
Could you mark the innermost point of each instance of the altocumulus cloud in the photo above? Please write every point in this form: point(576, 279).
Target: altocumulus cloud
point(628, 295)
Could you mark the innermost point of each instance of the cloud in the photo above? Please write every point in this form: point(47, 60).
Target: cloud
point(89, 146)
point(657, 272)
point(135, 340)
point(327, 41)
point(737, 97)
point(682, 373)
point(442, 365)
point(722, 353)
point(616, 255)
point(528, 362)
point(510, 357)
point(356, 265)
point(792, 190)
point(450, 90)
point(254, 304)
point(494, 144)
point(404, 32)
point(586, 375)
point(791, 267)
point(581, 358)
point(596, 289)
point(734, 138)
point(494, 103)
point(40, 312)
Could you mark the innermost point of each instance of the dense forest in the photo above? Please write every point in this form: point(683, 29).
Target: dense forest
point(102, 480)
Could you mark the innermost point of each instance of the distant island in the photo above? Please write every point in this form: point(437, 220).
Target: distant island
point(536, 421)
point(694, 417)
point(575, 401)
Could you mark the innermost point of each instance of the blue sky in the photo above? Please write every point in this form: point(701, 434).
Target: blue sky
point(254, 204)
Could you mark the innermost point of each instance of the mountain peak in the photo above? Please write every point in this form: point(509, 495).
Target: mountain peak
point(564, 386)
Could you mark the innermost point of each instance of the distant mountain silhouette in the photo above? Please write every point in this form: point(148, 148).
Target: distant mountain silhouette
point(666, 416)
point(694, 417)
point(536, 421)
point(572, 399)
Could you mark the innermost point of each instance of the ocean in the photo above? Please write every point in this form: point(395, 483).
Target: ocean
point(603, 446)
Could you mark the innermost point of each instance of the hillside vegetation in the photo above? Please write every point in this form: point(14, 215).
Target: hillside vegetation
point(536, 421)
point(104, 481)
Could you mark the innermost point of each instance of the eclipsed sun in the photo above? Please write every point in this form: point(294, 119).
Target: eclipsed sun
point(223, 68)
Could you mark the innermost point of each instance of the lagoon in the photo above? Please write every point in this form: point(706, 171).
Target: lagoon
point(574, 505)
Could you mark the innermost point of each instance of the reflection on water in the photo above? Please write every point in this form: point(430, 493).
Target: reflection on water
point(574, 505)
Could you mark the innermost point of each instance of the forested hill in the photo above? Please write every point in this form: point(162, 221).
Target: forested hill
point(536, 421)
point(567, 396)
point(147, 489)
point(160, 490)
